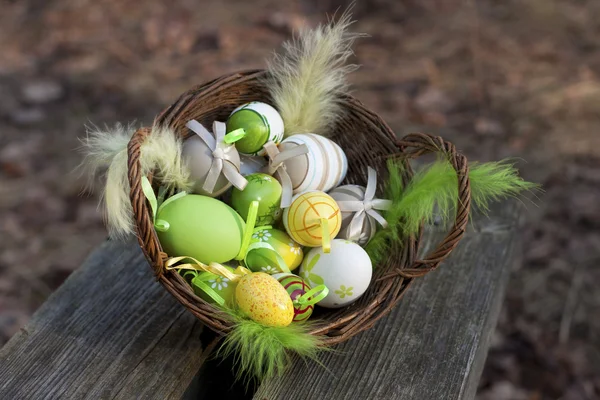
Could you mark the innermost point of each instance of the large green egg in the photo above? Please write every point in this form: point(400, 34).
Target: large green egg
point(262, 188)
point(201, 227)
point(260, 121)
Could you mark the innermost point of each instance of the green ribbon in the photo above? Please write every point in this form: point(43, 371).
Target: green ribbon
point(309, 298)
point(200, 282)
point(185, 274)
point(159, 225)
point(325, 235)
point(234, 136)
point(162, 193)
point(250, 223)
point(278, 259)
point(193, 267)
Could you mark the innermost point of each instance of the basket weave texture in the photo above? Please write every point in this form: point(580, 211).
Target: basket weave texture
point(367, 141)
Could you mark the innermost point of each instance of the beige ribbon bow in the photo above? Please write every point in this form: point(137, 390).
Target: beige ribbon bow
point(367, 206)
point(277, 167)
point(222, 156)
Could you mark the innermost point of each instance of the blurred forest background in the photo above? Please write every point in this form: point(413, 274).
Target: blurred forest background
point(500, 78)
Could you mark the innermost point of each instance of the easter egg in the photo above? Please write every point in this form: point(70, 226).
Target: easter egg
point(261, 123)
point(302, 220)
point(322, 168)
point(296, 287)
point(267, 191)
point(264, 300)
point(369, 225)
point(206, 282)
point(261, 259)
point(198, 157)
point(346, 271)
point(200, 227)
point(250, 164)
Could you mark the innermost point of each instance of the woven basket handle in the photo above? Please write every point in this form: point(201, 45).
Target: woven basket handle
point(145, 227)
point(418, 144)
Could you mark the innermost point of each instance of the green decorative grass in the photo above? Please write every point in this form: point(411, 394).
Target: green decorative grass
point(433, 193)
point(261, 352)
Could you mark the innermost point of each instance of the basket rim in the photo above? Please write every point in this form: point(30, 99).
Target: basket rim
point(393, 284)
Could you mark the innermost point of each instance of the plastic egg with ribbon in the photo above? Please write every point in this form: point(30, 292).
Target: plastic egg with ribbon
point(322, 167)
point(262, 188)
point(199, 226)
point(272, 251)
point(313, 219)
point(212, 159)
point(303, 296)
point(259, 122)
point(213, 282)
point(346, 271)
point(360, 210)
point(213, 287)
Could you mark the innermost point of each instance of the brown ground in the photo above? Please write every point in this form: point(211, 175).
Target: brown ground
point(515, 78)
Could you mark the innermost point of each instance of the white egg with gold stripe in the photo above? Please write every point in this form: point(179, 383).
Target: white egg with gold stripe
point(322, 168)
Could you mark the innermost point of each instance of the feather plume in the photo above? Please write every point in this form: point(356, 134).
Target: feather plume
point(261, 352)
point(161, 153)
point(306, 81)
point(433, 192)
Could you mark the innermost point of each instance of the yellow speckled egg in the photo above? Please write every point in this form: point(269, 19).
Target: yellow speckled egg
point(264, 300)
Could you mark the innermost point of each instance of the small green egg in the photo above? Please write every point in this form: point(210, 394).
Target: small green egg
point(260, 122)
point(262, 188)
point(257, 131)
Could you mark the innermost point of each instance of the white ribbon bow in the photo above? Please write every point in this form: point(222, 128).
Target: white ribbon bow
point(222, 156)
point(367, 206)
point(276, 166)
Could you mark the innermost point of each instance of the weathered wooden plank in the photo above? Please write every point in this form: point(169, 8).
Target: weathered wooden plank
point(434, 343)
point(111, 332)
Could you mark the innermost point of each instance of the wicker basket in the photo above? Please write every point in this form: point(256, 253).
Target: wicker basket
point(367, 141)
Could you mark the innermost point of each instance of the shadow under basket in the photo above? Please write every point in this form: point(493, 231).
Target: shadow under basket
point(367, 141)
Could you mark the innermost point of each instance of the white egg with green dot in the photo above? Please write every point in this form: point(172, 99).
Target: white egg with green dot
point(346, 271)
point(261, 124)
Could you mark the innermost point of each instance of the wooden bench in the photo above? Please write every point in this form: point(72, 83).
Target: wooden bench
point(111, 332)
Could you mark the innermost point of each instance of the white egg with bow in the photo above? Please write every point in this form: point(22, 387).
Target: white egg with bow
point(212, 159)
point(360, 210)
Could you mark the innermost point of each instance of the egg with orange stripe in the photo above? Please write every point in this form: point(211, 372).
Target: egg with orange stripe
point(323, 167)
point(313, 219)
point(296, 288)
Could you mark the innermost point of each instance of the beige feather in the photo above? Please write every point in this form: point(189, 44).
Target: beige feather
point(161, 153)
point(308, 78)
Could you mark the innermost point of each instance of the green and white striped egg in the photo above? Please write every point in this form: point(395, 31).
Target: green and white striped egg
point(296, 287)
point(322, 168)
point(261, 122)
point(354, 193)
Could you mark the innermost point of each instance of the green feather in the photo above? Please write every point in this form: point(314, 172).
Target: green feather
point(494, 181)
point(261, 352)
point(433, 192)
